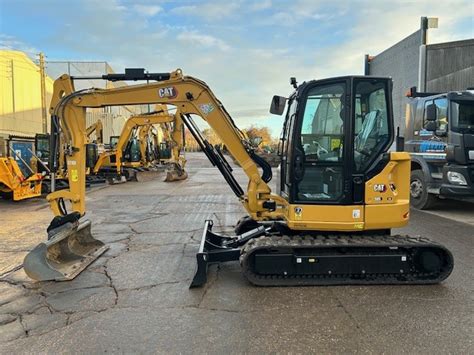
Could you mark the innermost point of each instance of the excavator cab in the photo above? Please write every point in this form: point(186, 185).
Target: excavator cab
point(344, 192)
point(332, 140)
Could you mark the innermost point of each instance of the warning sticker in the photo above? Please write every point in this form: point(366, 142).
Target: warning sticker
point(355, 214)
point(298, 212)
point(74, 175)
point(335, 143)
point(206, 108)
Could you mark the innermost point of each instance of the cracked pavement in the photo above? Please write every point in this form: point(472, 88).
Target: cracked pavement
point(135, 298)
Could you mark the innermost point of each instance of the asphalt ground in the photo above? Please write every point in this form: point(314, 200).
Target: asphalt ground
point(135, 298)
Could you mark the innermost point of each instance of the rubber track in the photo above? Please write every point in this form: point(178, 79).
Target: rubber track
point(406, 243)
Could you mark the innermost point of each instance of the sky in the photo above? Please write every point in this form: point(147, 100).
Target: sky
point(245, 50)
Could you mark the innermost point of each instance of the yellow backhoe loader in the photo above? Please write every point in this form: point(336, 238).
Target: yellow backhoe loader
point(339, 194)
point(128, 155)
point(14, 185)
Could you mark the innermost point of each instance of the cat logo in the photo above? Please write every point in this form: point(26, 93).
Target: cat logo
point(379, 188)
point(169, 92)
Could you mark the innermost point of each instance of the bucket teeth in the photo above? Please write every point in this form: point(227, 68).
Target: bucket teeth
point(68, 251)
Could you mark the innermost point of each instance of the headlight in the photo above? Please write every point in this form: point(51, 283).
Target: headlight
point(456, 178)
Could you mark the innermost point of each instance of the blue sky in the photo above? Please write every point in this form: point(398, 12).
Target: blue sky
point(245, 50)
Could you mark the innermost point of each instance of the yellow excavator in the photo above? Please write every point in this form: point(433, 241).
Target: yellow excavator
point(98, 128)
point(139, 165)
point(340, 190)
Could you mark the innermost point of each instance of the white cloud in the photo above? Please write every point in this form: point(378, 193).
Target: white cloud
point(12, 43)
point(244, 72)
point(261, 5)
point(195, 37)
point(147, 10)
point(375, 29)
point(209, 10)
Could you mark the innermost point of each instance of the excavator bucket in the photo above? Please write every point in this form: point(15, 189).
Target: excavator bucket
point(174, 175)
point(174, 172)
point(146, 175)
point(69, 250)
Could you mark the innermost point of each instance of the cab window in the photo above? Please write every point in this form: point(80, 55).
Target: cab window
point(321, 142)
point(371, 123)
point(322, 128)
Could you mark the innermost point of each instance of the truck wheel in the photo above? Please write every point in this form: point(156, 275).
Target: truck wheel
point(419, 196)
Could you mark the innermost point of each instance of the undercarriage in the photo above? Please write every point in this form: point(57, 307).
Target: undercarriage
point(270, 258)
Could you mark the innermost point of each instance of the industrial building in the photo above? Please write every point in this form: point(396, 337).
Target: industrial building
point(26, 88)
point(413, 61)
point(26, 91)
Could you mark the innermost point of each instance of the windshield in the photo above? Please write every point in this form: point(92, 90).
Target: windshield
point(462, 116)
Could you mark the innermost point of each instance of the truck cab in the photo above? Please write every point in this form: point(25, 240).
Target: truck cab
point(439, 135)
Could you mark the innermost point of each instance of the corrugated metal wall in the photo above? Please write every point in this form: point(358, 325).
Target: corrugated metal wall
point(113, 118)
point(450, 66)
point(20, 94)
point(20, 98)
point(112, 123)
point(401, 63)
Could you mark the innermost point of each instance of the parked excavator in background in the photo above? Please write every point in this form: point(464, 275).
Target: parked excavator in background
point(16, 186)
point(136, 157)
point(98, 128)
point(340, 191)
point(22, 174)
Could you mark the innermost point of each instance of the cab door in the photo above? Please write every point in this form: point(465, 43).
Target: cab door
point(286, 149)
point(320, 169)
point(341, 130)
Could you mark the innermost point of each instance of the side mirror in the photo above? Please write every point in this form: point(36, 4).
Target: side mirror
point(278, 105)
point(431, 126)
point(431, 112)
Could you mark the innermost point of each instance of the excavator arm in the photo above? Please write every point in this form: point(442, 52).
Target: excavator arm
point(98, 128)
point(191, 97)
point(143, 136)
point(71, 247)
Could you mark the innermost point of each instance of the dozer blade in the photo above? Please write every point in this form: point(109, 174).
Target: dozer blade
point(215, 248)
point(68, 251)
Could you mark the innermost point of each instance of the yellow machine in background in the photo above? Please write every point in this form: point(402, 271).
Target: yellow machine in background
point(14, 184)
point(98, 128)
point(143, 165)
point(339, 194)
